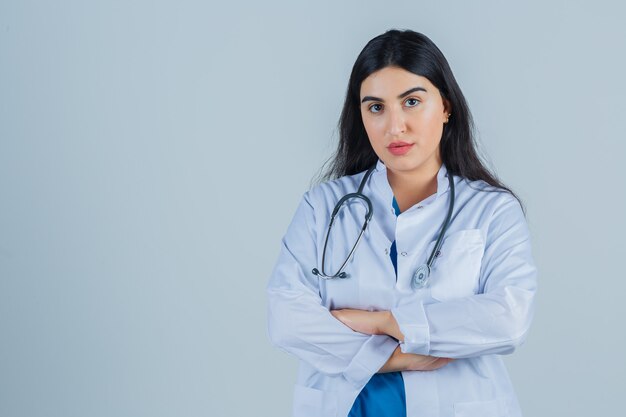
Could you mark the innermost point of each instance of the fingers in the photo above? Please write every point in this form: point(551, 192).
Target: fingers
point(441, 362)
point(427, 363)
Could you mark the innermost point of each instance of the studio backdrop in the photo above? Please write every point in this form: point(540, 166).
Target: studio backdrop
point(152, 154)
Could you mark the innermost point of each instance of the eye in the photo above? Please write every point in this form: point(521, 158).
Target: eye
point(373, 109)
point(412, 100)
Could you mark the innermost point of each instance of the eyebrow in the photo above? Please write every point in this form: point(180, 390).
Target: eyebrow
point(406, 93)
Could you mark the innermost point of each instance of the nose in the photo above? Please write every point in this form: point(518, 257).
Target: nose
point(397, 125)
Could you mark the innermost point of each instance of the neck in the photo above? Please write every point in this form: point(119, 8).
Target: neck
point(411, 187)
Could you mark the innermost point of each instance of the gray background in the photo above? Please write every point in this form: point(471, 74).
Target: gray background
point(152, 154)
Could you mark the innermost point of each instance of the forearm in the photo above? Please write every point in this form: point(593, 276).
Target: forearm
point(390, 327)
point(494, 323)
point(299, 325)
point(384, 323)
point(370, 322)
point(400, 361)
point(396, 362)
point(471, 326)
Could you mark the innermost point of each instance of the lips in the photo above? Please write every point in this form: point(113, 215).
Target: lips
point(399, 148)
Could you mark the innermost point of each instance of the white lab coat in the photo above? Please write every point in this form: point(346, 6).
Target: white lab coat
point(478, 306)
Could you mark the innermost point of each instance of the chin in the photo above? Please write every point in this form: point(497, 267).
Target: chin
point(404, 165)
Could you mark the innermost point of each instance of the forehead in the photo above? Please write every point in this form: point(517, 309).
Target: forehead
point(391, 81)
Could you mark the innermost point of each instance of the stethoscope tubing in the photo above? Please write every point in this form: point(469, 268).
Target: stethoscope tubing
point(368, 217)
point(421, 275)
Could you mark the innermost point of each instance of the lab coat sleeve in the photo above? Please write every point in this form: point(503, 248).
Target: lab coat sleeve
point(495, 321)
point(300, 324)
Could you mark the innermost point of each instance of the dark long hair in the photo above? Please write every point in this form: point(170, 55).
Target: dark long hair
point(416, 53)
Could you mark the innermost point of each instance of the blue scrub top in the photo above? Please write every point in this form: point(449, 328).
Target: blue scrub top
point(383, 395)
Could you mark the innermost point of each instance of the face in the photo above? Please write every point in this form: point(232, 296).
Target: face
point(403, 114)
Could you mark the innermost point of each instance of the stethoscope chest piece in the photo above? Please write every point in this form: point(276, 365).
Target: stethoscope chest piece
point(420, 277)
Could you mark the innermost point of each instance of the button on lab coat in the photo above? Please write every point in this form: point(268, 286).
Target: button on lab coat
point(478, 306)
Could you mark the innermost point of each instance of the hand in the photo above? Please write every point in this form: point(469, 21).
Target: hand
point(369, 322)
point(399, 361)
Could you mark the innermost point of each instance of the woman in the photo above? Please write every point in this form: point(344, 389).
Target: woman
point(442, 281)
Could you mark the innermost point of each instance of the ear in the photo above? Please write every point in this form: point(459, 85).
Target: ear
point(447, 108)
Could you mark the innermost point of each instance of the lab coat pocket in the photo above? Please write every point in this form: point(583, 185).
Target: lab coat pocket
point(455, 271)
point(492, 408)
point(311, 402)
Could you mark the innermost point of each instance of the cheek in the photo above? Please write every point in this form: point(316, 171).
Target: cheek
point(375, 132)
point(429, 127)
point(435, 129)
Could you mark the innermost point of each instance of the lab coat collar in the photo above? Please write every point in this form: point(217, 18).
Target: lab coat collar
point(380, 178)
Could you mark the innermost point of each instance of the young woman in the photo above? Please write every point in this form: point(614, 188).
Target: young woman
point(411, 317)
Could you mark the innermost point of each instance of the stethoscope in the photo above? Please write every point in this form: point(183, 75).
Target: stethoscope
point(422, 273)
